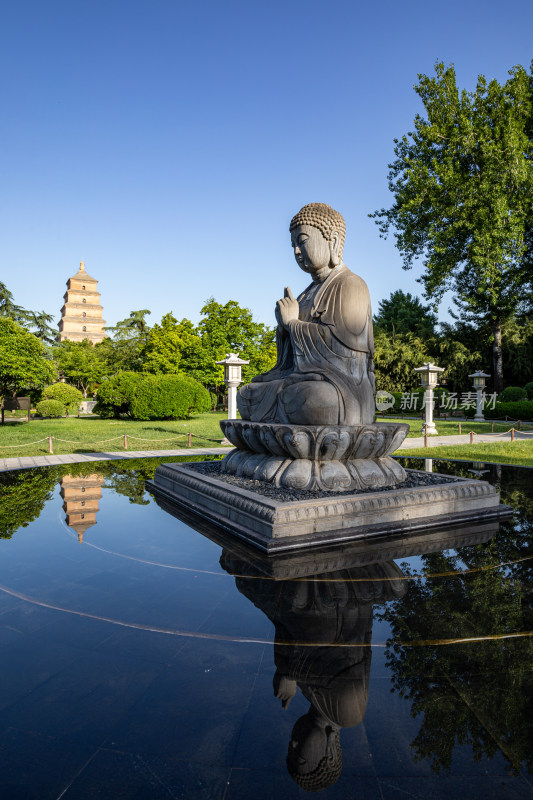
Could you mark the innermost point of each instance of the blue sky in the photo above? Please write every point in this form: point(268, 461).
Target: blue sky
point(168, 144)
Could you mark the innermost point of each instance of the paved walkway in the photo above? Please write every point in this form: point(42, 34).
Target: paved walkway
point(74, 458)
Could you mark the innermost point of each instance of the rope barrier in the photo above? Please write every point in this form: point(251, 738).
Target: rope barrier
point(143, 439)
point(28, 444)
point(113, 439)
point(101, 441)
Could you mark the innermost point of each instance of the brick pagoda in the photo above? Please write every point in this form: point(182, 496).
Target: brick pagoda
point(81, 315)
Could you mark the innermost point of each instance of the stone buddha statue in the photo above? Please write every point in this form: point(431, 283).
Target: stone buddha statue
point(324, 373)
point(308, 423)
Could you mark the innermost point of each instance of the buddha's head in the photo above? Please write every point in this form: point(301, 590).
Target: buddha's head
point(317, 236)
point(314, 758)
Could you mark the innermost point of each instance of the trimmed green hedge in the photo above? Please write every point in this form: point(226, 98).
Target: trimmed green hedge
point(520, 410)
point(50, 408)
point(66, 394)
point(144, 396)
point(512, 394)
point(529, 389)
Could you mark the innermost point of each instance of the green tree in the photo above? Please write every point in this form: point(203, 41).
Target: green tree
point(8, 308)
point(403, 313)
point(123, 349)
point(39, 322)
point(229, 328)
point(163, 348)
point(80, 363)
point(463, 195)
point(395, 359)
point(23, 359)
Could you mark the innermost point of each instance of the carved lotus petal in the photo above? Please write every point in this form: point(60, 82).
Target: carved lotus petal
point(268, 469)
point(252, 440)
point(266, 434)
point(334, 475)
point(297, 443)
point(298, 474)
point(366, 443)
point(334, 444)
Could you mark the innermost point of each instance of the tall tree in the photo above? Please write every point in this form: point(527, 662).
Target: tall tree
point(23, 359)
point(8, 308)
point(403, 313)
point(40, 321)
point(80, 363)
point(463, 195)
point(123, 348)
point(231, 328)
point(135, 323)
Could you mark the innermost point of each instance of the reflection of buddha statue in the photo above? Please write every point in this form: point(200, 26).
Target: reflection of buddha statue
point(322, 646)
point(324, 373)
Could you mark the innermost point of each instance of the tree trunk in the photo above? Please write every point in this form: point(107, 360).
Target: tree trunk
point(497, 358)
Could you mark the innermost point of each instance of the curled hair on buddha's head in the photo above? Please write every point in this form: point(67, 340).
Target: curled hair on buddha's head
point(326, 773)
point(325, 218)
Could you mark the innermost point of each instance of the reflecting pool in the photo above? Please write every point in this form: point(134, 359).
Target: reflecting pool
point(146, 655)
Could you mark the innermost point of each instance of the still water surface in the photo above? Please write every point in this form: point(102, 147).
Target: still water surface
point(143, 659)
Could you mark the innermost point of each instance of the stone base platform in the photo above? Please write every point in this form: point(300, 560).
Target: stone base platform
point(276, 525)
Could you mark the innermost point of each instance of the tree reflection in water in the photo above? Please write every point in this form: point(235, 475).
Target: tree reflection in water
point(477, 694)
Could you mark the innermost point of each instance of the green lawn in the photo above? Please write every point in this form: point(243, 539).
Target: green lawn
point(93, 435)
point(451, 427)
point(517, 452)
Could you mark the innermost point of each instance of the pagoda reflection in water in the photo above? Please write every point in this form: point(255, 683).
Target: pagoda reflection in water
point(81, 499)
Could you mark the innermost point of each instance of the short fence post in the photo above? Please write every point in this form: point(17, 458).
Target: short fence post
point(125, 442)
point(459, 429)
point(519, 424)
point(492, 428)
point(471, 437)
point(50, 448)
point(425, 438)
point(189, 442)
point(512, 434)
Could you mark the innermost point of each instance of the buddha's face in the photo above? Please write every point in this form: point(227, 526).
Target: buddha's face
point(313, 253)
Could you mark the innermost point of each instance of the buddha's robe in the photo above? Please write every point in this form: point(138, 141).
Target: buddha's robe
point(325, 370)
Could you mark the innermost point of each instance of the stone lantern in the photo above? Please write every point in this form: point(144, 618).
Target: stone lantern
point(429, 375)
point(232, 378)
point(479, 378)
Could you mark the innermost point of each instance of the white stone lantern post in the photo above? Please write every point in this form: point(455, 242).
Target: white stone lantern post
point(429, 375)
point(479, 379)
point(232, 378)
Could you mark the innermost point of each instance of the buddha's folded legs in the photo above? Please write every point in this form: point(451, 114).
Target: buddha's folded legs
point(299, 402)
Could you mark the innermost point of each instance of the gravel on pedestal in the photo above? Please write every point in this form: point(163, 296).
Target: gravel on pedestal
point(212, 469)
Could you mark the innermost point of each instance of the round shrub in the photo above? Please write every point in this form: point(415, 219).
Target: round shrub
point(50, 408)
point(144, 396)
point(66, 394)
point(512, 394)
point(529, 389)
point(114, 396)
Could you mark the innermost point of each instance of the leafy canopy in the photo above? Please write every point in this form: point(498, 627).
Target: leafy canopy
point(403, 313)
point(462, 183)
point(23, 359)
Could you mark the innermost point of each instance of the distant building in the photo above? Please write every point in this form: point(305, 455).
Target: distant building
point(81, 316)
